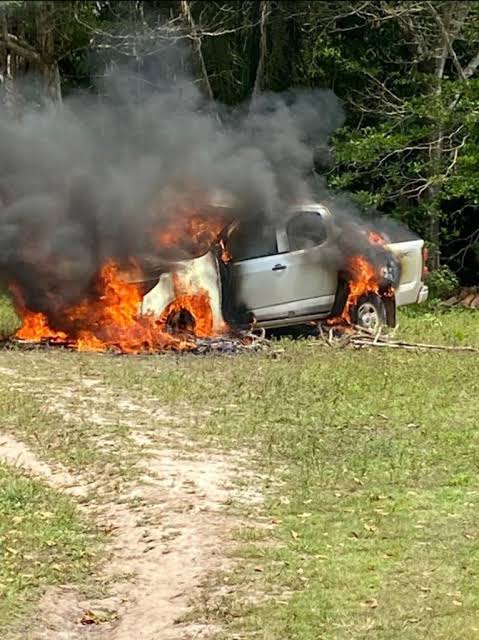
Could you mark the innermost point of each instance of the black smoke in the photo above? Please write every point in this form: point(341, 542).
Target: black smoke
point(91, 180)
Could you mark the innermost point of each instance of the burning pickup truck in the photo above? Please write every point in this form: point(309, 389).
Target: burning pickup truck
point(303, 269)
point(216, 272)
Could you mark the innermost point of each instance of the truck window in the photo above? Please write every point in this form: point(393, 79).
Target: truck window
point(306, 230)
point(249, 241)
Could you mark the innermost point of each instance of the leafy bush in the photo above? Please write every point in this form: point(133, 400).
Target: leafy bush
point(442, 282)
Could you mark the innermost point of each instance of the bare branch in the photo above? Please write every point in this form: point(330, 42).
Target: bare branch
point(20, 47)
point(468, 73)
point(224, 32)
point(429, 146)
point(472, 66)
point(470, 240)
point(262, 49)
point(186, 10)
point(447, 40)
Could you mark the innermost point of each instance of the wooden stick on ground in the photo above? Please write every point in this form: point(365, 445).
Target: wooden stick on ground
point(378, 335)
point(359, 341)
point(361, 337)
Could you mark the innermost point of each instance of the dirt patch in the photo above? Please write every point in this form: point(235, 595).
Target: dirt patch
point(169, 533)
point(17, 454)
point(171, 543)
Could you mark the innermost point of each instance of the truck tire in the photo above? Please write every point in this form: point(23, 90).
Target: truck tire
point(180, 321)
point(369, 312)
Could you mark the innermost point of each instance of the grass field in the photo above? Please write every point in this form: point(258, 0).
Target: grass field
point(43, 541)
point(368, 461)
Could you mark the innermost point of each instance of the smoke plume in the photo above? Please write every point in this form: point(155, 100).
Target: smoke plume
point(93, 180)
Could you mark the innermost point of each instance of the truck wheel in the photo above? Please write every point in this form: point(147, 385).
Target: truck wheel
point(369, 312)
point(180, 321)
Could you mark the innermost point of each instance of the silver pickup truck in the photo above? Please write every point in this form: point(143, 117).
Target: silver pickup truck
point(279, 276)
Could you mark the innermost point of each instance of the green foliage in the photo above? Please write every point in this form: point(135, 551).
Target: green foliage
point(410, 146)
point(442, 282)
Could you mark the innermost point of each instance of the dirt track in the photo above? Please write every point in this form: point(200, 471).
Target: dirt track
point(169, 530)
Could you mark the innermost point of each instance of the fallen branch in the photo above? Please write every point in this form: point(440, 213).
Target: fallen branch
point(400, 344)
point(378, 335)
point(360, 337)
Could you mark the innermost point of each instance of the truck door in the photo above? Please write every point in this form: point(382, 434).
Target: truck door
point(313, 281)
point(277, 272)
point(255, 269)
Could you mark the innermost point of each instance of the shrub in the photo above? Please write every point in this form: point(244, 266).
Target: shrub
point(442, 282)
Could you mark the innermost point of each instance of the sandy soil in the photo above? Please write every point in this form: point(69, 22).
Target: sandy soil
point(170, 533)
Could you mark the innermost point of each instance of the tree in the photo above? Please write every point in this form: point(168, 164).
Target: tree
point(407, 73)
point(28, 37)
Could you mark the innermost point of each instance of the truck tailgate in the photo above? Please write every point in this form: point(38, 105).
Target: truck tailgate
point(410, 256)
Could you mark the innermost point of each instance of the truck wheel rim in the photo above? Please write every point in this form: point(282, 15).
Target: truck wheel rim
point(368, 316)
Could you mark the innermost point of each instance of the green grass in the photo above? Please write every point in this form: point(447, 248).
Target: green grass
point(71, 440)
point(369, 463)
point(436, 324)
point(372, 463)
point(43, 541)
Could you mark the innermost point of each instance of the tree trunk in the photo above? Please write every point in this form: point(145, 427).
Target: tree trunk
point(7, 95)
point(45, 42)
point(259, 83)
point(196, 43)
point(450, 25)
point(436, 153)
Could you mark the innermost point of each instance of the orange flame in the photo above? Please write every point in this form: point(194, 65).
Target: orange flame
point(33, 323)
point(376, 238)
point(199, 233)
point(36, 324)
point(363, 280)
point(112, 321)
